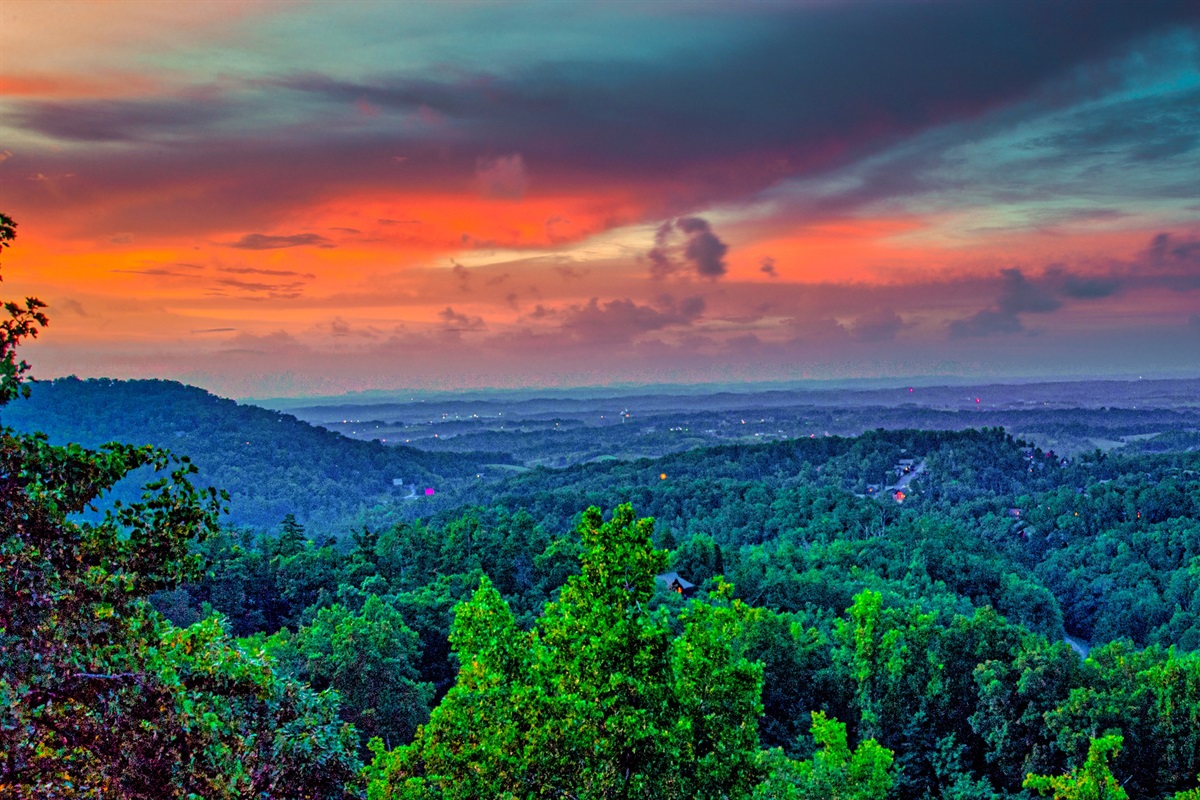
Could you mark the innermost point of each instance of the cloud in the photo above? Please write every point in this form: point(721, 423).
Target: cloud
point(661, 262)
point(276, 343)
point(261, 290)
point(987, 322)
point(1021, 295)
point(110, 120)
point(502, 177)
point(262, 241)
point(71, 306)
point(283, 273)
point(879, 325)
point(1018, 295)
point(455, 324)
point(157, 271)
point(1170, 252)
point(568, 272)
point(621, 321)
point(1079, 287)
point(212, 330)
point(766, 265)
point(705, 121)
point(701, 249)
point(813, 328)
point(462, 275)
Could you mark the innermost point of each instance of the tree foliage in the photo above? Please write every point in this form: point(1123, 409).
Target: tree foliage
point(598, 700)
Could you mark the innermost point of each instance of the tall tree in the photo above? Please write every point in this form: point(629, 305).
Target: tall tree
point(598, 701)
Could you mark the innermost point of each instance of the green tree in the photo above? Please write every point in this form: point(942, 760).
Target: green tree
point(1092, 781)
point(598, 701)
point(833, 773)
point(370, 659)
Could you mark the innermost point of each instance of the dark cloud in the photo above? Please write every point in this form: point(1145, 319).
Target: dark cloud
point(455, 324)
point(766, 265)
point(262, 241)
point(809, 328)
point(622, 321)
point(912, 64)
point(462, 275)
point(158, 271)
point(502, 177)
point(1022, 295)
point(779, 95)
point(700, 250)
point(122, 120)
point(661, 262)
point(569, 272)
point(1144, 128)
point(282, 273)
point(987, 322)
point(1079, 287)
point(261, 290)
point(879, 325)
point(70, 305)
point(339, 328)
point(1018, 295)
point(703, 250)
point(1170, 252)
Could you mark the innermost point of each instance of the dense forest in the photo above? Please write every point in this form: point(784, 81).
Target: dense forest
point(270, 463)
point(901, 614)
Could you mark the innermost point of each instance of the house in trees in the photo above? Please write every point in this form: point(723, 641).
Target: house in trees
point(675, 583)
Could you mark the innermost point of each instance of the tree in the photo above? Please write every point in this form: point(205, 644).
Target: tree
point(99, 695)
point(834, 771)
point(24, 321)
point(598, 701)
point(370, 659)
point(1092, 781)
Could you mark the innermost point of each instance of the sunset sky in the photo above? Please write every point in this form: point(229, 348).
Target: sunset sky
point(288, 198)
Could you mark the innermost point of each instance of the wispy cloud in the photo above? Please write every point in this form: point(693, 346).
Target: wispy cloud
point(263, 241)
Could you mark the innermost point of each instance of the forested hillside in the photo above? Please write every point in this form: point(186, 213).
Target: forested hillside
point(933, 625)
point(883, 613)
point(270, 463)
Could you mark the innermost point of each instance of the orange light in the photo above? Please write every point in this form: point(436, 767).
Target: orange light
point(662, 476)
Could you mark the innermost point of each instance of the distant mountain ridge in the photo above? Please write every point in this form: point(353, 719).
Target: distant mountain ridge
point(271, 463)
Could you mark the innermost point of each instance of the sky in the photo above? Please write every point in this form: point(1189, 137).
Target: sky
point(274, 199)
